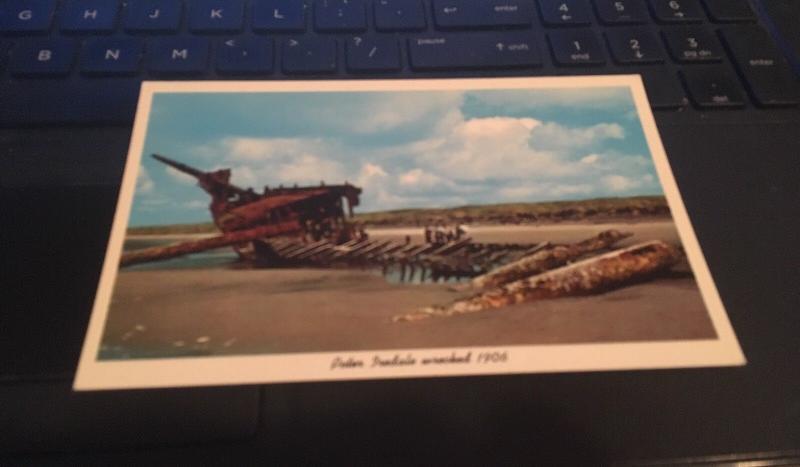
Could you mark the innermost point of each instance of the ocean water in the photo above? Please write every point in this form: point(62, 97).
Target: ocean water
point(224, 258)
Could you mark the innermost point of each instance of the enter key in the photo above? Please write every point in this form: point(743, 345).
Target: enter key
point(769, 79)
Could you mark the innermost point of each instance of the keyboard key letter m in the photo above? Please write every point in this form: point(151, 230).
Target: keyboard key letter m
point(182, 54)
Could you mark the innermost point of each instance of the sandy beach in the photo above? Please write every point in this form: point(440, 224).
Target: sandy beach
point(224, 311)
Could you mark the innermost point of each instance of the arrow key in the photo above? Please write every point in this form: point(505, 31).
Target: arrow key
point(241, 56)
point(634, 46)
point(676, 11)
point(565, 12)
point(374, 54)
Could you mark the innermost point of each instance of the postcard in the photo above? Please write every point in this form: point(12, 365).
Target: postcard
point(335, 230)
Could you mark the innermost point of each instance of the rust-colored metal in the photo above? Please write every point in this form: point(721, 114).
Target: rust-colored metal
point(547, 259)
point(313, 213)
point(193, 246)
point(590, 276)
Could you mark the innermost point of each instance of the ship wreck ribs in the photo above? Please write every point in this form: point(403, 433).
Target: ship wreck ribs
point(546, 259)
point(590, 276)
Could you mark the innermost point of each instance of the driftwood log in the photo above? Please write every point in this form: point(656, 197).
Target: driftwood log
point(193, 246)
point(590, 276)
point(547, 259)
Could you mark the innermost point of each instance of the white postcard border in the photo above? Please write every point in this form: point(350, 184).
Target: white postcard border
point(317, 366)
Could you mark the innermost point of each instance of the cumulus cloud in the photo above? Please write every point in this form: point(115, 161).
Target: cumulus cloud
point(390, 112)
point(619, 183)
point(590, 159)
point(610, 98)
point(180, 176)
point(276, 161)
point(552, 136)
point(144, 184)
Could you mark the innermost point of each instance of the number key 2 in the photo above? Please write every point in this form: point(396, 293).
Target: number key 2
point(637, 46)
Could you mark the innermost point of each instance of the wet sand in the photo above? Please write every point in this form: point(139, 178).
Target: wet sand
point(216, 311)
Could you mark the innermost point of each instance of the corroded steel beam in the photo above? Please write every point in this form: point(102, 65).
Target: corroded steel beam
point(184, 248)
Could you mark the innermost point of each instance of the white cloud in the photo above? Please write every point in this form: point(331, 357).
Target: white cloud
point(180, 176)
point(307, 168)
point(418, 178)
point(590, 159)
point(619, 183)
point(485, 148)
point(594, 98)
point(552, 136)
point(262, 149)
point(144, 184)
point(279, 161)
point(195, 204)
point(387, 112)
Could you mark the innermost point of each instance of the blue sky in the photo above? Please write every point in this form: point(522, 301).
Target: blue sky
point(406, 149)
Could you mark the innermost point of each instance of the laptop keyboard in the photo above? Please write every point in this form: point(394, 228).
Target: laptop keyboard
point(81, 61)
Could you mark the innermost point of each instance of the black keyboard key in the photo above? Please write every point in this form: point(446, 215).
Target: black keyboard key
point(111, 56)
point(664, 90)
point(677, 11)
point(399, 15)
point(152, 16)
point(279, 16)
point(468, 51)
point(576, 48)
point(769, 79)
point(729, 11)
point(565, 12)
point(178, 56)
point(712, 88)
point(309, 55)
point(26, 16)
point(614, 12)
point(340, 15)
point(216, 16)
point(43, 57)
point(373, 54)
point(482, 14)
point(244, 56)
point(634, 46)
point(5, 47)
point(88, 16)
point(693, 45)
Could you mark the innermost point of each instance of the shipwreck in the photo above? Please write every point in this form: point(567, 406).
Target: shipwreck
point(313, 226)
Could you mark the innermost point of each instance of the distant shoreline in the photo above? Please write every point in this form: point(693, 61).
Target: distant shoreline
point(419, 228)
point(592, 211)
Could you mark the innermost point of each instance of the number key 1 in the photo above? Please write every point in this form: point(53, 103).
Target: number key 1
point(576, 48)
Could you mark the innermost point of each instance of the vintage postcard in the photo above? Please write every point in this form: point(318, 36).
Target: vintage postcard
point(327, 230)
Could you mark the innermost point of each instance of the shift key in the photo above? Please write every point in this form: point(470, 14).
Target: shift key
point(464, 51)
